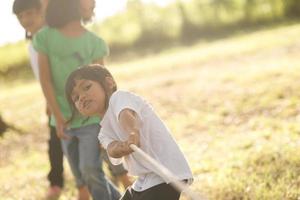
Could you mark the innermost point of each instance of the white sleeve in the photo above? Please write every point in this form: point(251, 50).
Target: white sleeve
point(34, 61)
point(126, 100)
point(105, 140)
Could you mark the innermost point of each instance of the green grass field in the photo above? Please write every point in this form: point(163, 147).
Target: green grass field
point(232, 104)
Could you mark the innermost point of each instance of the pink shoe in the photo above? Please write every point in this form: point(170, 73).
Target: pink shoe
point(53, 193)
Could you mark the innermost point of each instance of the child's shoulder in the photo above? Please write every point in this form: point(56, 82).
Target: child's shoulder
point(120, 93)
point(94, 35)
point(123, 95)
point(44, 31)
point(41, 38)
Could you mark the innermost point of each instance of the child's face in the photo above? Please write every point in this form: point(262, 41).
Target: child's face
point(31, 19)
point(87, 8)
point(88, 97)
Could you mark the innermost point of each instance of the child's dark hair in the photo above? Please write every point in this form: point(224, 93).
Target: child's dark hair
point(93, 72)
point(21, 5)
point(61, 12)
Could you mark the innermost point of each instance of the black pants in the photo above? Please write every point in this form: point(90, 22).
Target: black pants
point(55, 153)
point(159, 192)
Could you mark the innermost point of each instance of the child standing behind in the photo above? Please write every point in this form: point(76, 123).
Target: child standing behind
point(62, 47)
point(128, 119)
point(30, 14)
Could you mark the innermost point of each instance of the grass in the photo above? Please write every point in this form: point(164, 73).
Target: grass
point(232, 105)
point(13, 57)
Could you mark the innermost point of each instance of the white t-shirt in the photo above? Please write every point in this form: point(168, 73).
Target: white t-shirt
point(34, 60)
point(155, 140)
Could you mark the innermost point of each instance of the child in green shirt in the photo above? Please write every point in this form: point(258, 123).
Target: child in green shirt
point(63, 46)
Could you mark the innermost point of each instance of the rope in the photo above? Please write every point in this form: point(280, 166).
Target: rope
point(167, 175)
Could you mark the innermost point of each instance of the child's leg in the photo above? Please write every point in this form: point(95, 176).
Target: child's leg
point(55, 153)
point(124, 179)
point(118, 172)
point(83, 193)
point(55, 175)
point(70, 149)
point(91, 164)
point(128, 195)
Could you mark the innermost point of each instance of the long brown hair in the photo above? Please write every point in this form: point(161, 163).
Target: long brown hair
point(61, 12)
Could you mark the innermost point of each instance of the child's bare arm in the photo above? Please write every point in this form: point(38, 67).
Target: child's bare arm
point(130, 124)
point(47, 87)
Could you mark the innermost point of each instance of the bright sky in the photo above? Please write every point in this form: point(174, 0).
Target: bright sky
point(11, 31)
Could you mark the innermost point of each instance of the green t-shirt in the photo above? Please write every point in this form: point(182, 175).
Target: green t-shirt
point(66, 54)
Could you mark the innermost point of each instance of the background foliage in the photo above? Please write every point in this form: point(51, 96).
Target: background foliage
point(147, 28)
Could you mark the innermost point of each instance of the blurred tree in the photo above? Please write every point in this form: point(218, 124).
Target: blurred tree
point(249, 7)
point(188, 29)
point(153, 25)
point(149, 25)
point(292, 8)
point(220, 6)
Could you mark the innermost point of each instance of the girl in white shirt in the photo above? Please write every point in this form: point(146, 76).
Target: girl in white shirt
point(128, 119)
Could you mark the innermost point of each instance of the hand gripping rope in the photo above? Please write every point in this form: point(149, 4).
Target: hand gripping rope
point(167, 175)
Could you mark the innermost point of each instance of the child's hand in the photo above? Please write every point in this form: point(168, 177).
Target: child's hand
point(48, 111)
point(118, 149)
point(134, 138)
point(61, 126)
